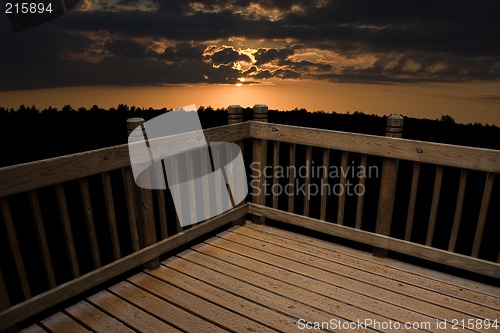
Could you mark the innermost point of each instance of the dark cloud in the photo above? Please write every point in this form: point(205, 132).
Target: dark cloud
point(184, 52)
point(126, 48)
point(354, 40)
point(228, 55)
point(264, 56)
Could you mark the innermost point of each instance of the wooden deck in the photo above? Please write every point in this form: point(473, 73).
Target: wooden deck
point(257, 278)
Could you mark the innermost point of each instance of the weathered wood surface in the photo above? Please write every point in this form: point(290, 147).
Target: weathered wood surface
point(36, 304)
point(67, 230)
point(413, 150)
point(89, 221)
point(458, 210)
point(413, 200)
point(29, 176)
point(434, 206)
point(255, 278)
point(12, 240)
point(475, 265)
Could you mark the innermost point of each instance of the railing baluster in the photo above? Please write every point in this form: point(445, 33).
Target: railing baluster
point(324, 184)
point(14, 247)
point(291, 180)
point(89, 220)
point(174, 167)
point(193, 204)
point(307, 196)
point(206, 169)
point(458, 210)
point(66, 225)
point(41, 237)
point(413, 200)
point(217, 160)
point(110, 208)
point(435, 204)
point(276, 154)
point(128, 183)
point(485, 203)
point(160, 196)
point(361, 196)
point(343, 172)
point(159, 177)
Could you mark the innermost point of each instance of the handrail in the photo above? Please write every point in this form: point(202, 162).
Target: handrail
point(33, 175)
point(472, 158)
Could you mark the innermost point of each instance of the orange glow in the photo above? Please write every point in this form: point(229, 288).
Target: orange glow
point(466, 102)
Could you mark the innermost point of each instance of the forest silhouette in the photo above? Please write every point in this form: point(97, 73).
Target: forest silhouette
point(30, 134)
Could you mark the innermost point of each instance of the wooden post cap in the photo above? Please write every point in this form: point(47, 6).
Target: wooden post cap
point(260, 112)
point(234, 114)
point(394, 126)
point(132, 123)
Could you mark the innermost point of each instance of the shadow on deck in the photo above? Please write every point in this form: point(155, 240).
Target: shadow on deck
point(257, 278)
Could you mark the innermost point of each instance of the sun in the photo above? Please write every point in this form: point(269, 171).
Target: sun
point(240, 84)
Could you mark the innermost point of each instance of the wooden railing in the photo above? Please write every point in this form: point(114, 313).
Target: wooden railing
point(90, 223)
point(73, 222)
point(381, 227)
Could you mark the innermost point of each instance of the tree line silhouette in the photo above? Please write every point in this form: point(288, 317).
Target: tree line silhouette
point(30, 134)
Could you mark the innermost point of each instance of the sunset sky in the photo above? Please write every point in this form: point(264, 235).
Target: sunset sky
point(416, 58)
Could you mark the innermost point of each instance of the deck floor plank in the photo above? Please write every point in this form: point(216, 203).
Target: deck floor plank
point(128, 313)
point(249, 309)
point(291, 307)
point(208, 311)
point(34, 329)
point(346, 296)
point(95, 319)
point(256, 278)
point(60, 322)
point(167, 312)
point(347, 278)
point(332, 307)
point(283, 305)
point(462, 300)
point(490, 293)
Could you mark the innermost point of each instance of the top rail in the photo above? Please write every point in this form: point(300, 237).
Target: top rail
point(33, 175)
point(480, 159)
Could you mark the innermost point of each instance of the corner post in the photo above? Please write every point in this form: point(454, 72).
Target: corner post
point(144, 205)
point(259, 157)
point(388, 181)
point(235, 116)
